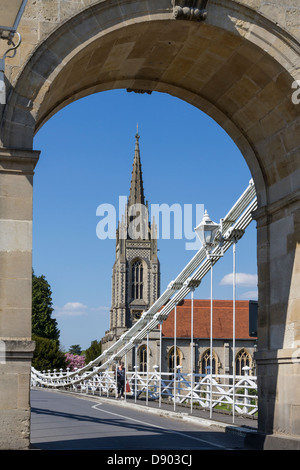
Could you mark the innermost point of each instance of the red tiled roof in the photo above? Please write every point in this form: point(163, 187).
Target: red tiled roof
point(222, 320)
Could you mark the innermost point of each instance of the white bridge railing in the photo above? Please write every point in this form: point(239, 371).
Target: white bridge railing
point(203, 391)
point(208, 391)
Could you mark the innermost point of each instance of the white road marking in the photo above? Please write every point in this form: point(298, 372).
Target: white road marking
point(159, 427)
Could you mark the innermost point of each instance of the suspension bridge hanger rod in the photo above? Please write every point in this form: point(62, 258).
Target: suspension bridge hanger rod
point(232, 228)
point(193, 281)
point(236, 211)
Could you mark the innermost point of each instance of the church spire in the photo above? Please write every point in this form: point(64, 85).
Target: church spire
point(136, 194)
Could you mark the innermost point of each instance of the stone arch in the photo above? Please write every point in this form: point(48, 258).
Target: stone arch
point(102, 37)
point(238, 66)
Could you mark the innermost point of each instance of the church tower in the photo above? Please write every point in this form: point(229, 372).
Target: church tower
point(136, 272)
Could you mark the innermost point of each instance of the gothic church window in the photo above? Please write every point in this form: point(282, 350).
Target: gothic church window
point(243, 359)
point(172, 360)
point(137, 280)
point(143, 358)
point(205, 363)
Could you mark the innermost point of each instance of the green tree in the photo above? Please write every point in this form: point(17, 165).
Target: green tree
point(93, 351)
point(75, 349)
point(47, 355)
point(42, 324)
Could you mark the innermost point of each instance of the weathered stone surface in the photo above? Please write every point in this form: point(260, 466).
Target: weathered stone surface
point(238, 66)
point(16, 170)
point(14, 393)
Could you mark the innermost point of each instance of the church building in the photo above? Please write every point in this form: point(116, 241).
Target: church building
point(136, 286)
point(136, 271)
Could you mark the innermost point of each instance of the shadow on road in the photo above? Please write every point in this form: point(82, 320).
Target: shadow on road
point(67, 423)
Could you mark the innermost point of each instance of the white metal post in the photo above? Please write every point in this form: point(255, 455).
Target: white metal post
point(135, 368)
point(147, 368)
point(234, 332)
point(160, 356)
point(211, 333)
point(125, 365)
point(174, 362)
point(116, 379)
point(192, 348)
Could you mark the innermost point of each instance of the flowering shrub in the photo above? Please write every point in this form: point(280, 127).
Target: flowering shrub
point(74, 361)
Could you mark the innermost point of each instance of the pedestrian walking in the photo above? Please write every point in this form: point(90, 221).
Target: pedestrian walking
point(121, 380)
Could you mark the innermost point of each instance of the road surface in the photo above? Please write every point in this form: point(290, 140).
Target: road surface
point(63, 422)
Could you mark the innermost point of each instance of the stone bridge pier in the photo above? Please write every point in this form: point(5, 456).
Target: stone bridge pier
point(236, 60)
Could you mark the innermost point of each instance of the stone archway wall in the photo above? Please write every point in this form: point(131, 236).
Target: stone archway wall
point(107, 44)
point(238, 66)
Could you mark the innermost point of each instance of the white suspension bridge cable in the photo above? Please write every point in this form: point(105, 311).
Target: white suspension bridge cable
point(232, 228)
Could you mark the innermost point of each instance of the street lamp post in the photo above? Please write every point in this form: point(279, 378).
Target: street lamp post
point(207, 231)
point(10, 15)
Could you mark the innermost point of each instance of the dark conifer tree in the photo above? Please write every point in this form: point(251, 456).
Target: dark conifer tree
point(43, 325)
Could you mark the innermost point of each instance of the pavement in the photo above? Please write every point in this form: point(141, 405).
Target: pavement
point(240, 424)
point(64, 420)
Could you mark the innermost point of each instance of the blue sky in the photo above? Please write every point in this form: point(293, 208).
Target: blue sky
point(86, 160)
